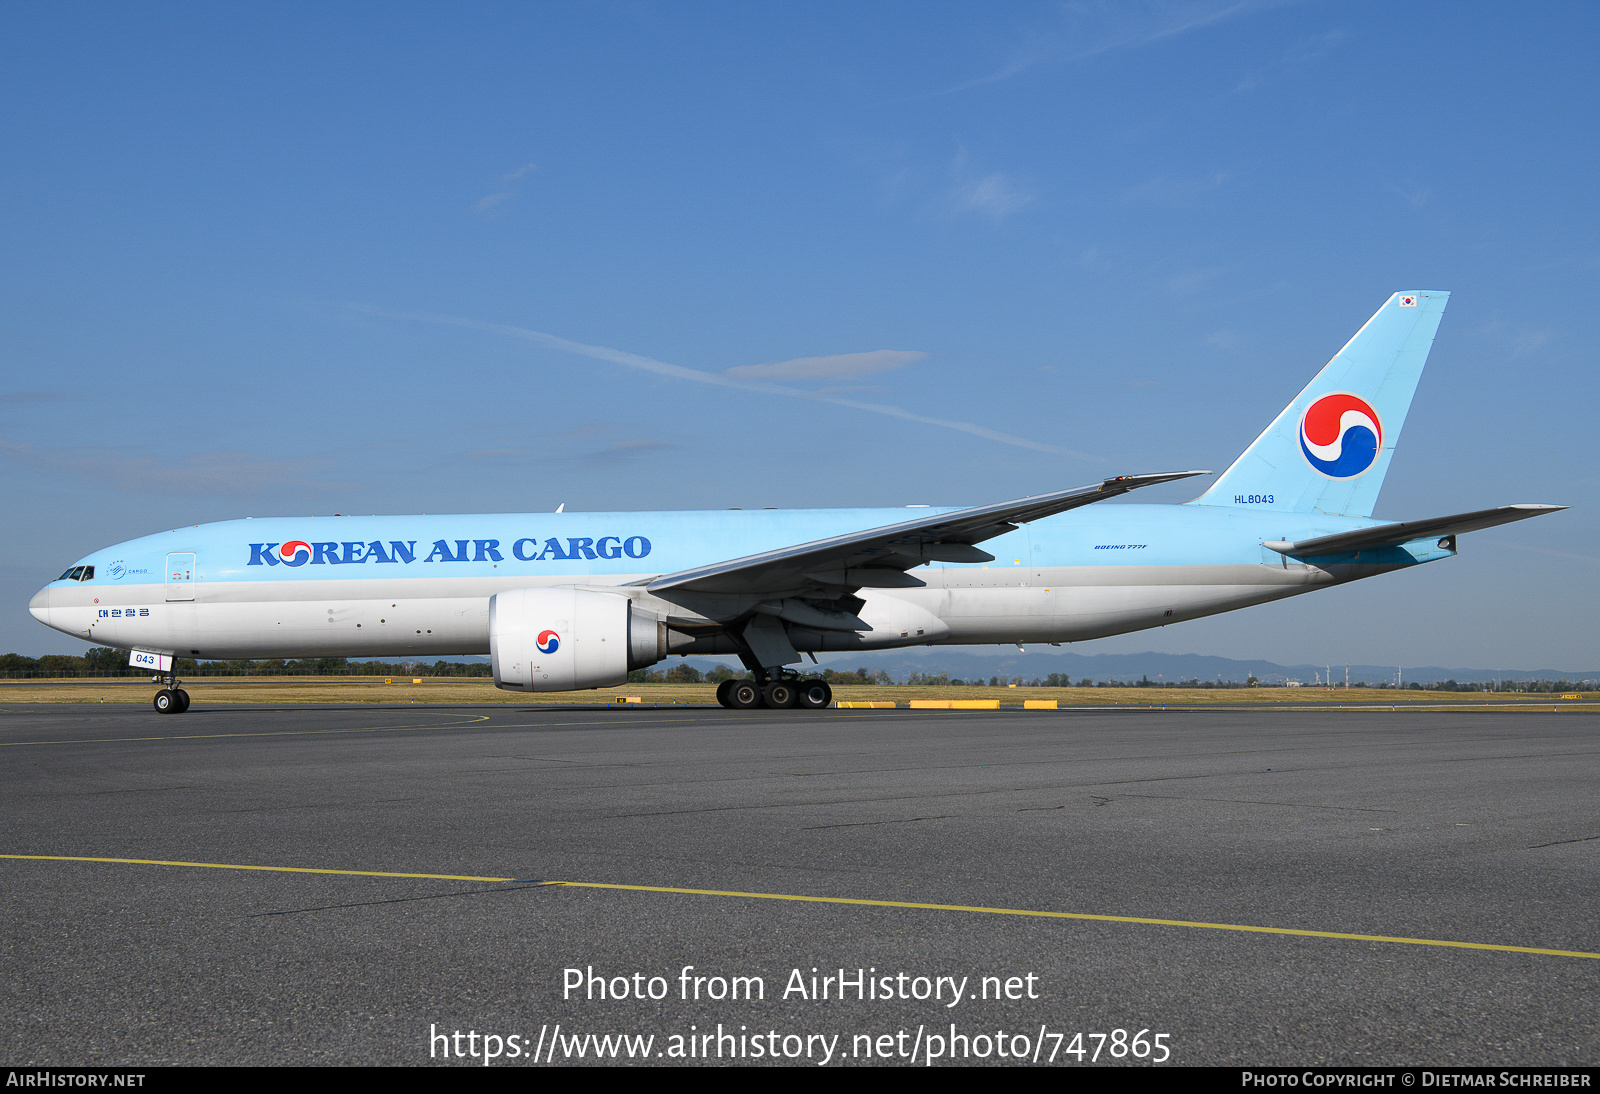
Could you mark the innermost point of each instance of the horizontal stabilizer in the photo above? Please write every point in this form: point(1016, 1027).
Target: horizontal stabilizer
point(1387, 535)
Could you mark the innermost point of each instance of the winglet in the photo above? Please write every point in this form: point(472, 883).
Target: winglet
point(1123, 483)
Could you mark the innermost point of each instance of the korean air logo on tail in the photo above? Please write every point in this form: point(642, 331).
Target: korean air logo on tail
point(549, 641)
point(297, 552)
point(1341, 435)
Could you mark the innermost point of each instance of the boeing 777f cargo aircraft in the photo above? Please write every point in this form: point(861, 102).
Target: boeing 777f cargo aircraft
point(564, 601)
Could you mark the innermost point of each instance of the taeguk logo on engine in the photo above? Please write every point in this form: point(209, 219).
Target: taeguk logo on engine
point(549, 642)
point(1340, 435)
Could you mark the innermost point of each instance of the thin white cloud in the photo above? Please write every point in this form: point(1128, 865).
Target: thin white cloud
point(512, 186)
point(1514, 339)
point(1530, 341)
point(841, 366)
point(720, 379)
point(619, 451)
point(1416, 195)
point(962, 189)
point(609, 453)
point(1179, 193)
point(995, 196)
point(234, 474)
point(1301, 53)
point(988, 194)
point(1096, 28)
point(1195, 281)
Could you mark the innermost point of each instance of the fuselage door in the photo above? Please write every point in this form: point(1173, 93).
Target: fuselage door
point(180, 575)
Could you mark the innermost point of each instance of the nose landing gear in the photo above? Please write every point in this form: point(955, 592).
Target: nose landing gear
point(171, 699)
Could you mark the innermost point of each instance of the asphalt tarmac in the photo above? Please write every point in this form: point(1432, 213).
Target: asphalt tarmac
point(994, 875)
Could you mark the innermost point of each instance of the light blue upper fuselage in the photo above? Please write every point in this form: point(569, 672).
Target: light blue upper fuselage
point(601, 546)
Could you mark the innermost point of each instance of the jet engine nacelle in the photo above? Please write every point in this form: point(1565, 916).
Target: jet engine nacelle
point(569, 639)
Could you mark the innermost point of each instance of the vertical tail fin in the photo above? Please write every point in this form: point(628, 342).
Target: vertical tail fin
point(1330, 448)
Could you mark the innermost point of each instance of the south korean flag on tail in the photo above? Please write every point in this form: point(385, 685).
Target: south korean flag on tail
point(1408, 301)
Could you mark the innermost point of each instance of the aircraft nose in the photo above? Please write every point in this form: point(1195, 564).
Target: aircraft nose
point(39, 606)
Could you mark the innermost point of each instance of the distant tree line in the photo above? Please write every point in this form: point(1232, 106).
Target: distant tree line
point(1064, 680)
point(1498, 686)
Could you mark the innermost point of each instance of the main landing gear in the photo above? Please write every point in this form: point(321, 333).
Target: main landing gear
point(171, 699)
point(775, 693)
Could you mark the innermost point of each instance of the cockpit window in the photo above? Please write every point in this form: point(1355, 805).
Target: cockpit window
point(88, 573)
point(77, 573)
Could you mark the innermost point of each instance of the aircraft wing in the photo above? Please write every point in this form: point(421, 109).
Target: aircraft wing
point(1387, 535)
point(879, 557)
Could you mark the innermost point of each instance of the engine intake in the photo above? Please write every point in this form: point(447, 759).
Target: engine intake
point(564, 639)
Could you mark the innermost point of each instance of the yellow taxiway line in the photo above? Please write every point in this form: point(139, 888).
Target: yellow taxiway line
point(856, 901)
point(236, 866)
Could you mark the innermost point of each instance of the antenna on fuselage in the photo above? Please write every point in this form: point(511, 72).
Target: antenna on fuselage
point(560, 507)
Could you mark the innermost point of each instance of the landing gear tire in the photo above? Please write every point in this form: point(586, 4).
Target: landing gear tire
point(722, 692)
point(814, 695)
point(183, 700)
point(781, 693)
point(165, 702)
point(744, 695)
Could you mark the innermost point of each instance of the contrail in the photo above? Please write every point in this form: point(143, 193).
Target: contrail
point(679, 372)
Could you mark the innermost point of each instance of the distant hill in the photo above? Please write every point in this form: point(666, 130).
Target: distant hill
point(1166, 667)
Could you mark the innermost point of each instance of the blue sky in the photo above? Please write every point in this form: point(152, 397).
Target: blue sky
point(280, 259)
